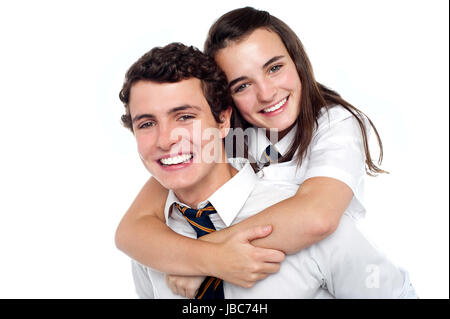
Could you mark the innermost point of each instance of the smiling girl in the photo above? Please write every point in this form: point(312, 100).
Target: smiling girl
point(323, 145)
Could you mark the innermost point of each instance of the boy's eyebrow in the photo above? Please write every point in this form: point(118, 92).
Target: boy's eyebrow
point(182, 108)
point(141, 116)
point(171, 111)
point(275, 58)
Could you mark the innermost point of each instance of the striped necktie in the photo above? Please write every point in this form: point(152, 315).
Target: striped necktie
point(270, 155)
point(211, 288)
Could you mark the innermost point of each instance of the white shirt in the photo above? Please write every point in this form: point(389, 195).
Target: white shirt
point(336, 151)
point(344, 265)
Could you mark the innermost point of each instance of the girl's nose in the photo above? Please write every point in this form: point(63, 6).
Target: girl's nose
point(266, 91)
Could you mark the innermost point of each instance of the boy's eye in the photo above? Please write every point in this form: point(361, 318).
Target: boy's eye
point(147, 124)
point(185, 117)
point(240, 88)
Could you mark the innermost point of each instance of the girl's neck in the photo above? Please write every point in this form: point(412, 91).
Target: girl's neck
point(274, 136)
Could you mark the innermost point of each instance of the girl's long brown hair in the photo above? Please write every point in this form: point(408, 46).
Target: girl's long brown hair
point(239, 23)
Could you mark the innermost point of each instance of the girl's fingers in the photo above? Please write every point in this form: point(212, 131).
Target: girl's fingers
point(270, 255)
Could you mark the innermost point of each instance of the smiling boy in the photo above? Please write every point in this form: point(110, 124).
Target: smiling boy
point(179, 108)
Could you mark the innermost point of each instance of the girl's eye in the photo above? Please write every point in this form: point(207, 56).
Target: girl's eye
point(147, 124)
point(275, 68)
point(240, 88)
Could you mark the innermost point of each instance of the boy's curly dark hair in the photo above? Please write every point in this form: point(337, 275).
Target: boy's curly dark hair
point(173, 63)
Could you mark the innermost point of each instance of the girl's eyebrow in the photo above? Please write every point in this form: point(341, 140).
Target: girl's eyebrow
point(270, 61)
point(275, 58)
point(237, 80)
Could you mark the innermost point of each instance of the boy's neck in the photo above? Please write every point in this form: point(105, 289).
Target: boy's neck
point(196, 194)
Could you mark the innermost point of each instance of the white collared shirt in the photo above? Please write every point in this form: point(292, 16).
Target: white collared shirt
point(344, 265)
point(336, 151)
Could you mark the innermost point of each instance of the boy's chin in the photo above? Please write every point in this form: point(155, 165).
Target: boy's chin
point(175, 185)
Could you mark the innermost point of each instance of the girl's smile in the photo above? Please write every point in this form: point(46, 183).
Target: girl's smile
point(275, 109)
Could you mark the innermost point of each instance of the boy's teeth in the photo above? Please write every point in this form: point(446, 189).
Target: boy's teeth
point(276, 106)
point(176, 159)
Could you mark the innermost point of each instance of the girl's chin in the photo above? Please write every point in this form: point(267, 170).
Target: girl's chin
point(279, 126)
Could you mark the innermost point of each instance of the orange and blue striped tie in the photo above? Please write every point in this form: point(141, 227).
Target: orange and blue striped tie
point(211, 288)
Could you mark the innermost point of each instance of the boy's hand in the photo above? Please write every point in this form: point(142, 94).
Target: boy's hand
point(184, 286)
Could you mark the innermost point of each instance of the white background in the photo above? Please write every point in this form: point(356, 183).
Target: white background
point(68, 170)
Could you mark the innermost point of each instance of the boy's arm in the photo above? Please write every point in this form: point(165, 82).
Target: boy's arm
point(353, 267)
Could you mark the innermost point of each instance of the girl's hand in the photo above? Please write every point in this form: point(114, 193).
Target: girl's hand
point(184, 286)
point(239, 262)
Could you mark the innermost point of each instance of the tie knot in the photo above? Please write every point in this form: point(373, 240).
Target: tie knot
point(270, 155)
point(196, 213)
point(199, 218)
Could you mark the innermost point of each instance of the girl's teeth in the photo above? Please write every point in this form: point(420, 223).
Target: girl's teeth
point(176, 159)
point(276, 106)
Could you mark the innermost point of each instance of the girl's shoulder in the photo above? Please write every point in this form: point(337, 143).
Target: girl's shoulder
point(332, 114)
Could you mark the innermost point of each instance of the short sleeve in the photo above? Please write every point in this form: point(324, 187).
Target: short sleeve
point(337, 151)
point(352, 266)
point(142, 282)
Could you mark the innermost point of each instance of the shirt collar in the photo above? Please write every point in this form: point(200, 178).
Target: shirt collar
point(238, 188)
point(258, 142)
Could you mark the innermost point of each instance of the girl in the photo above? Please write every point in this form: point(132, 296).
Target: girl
point(323, 147)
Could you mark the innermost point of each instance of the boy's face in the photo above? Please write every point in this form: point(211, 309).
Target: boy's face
point(177, 137)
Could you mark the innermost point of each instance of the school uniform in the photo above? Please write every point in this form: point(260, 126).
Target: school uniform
point(343, 265)
point(336, 150)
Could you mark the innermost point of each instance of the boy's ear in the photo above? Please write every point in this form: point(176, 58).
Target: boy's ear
point(225, 120)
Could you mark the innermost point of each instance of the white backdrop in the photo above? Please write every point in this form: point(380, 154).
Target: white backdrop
point(68, 170)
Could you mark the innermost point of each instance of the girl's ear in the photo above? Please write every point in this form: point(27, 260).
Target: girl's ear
point(225, 119)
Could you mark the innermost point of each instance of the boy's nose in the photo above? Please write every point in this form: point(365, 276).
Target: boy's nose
point(167, 138)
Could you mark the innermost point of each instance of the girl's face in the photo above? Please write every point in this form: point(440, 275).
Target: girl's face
point(263, 80)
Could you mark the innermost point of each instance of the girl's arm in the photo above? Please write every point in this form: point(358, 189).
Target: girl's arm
point(144, 236)
point(310, 215)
